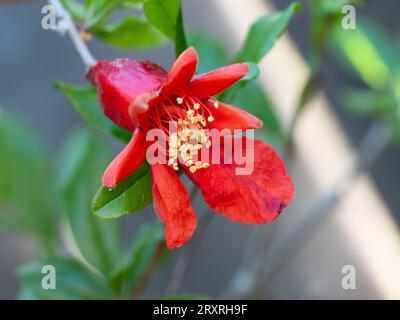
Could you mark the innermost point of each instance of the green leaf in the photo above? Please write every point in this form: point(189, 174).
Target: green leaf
point(131, 195)
point(166, 15)
point(146, 253)
point(76, 9)
point(85, 101)
point(163, 14)
point(73, 281)
point(253, 99)
point(368, 102)
point(130, 32)
point(100, 11)
point(82, 162)
point(181, 43)
point(26, 189)
point(369, 51)
point(212, 54)
point(264, 33)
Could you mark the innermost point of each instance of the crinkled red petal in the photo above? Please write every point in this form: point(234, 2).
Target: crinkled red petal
point(256, 198)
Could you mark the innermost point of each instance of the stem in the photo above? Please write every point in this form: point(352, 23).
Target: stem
point(186, 257)
point(79, 44)
point(248, 281)
point(145, 279)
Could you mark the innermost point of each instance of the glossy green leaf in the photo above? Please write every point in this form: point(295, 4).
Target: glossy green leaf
point(264, 33)
point(181, 43)
point(369, 51)
point(163, 14)
point(73, 281)
point(82, 162)
point(146, 253)
point(166, 15)
point(130, 32)
point(26, 189)
point(85, 101)
point(130, 196)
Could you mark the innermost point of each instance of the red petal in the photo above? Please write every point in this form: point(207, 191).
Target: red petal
point(256, 198)
point(120, 81)
point(127, 161)
point(182, 71)
point(172, 205)
point(231, 117)
point(211, 83)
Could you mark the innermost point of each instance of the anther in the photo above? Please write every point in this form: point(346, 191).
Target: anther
point(179, 100)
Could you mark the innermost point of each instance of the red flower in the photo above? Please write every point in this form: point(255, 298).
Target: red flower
point(140, 95)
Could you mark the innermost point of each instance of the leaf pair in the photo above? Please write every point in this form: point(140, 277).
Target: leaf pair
point(130, 31)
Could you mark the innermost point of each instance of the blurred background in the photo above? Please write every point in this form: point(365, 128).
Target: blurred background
point(31, 59)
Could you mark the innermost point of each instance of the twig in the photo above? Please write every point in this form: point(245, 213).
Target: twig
point(247, 282)
point(186, 257)
point(147, 276)
point(79, 44)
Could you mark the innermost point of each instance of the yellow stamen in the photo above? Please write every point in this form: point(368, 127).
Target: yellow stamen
point(184, 145)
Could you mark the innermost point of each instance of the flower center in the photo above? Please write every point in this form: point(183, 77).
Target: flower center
point(188, 133)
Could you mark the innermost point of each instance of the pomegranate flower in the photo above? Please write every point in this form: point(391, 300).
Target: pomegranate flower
point(140, 95)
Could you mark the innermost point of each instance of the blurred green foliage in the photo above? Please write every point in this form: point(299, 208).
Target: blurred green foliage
point(373, 55)
point(55, 199)
point(26, 184)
